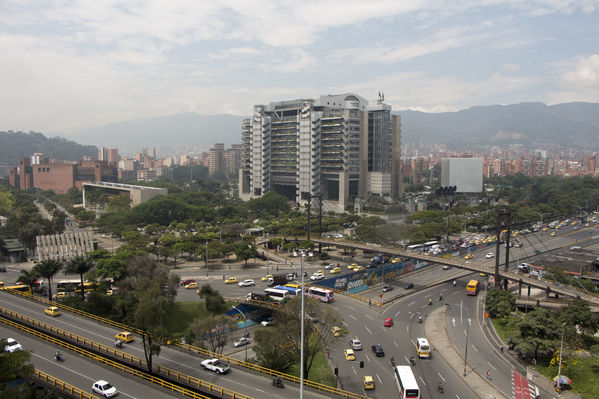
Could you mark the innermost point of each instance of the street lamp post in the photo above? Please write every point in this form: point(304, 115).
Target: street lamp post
point(245, 328)
point(302, 331)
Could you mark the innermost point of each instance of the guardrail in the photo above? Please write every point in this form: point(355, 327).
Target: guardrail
point(206, 353)
point(46, 379)
point(120, 355)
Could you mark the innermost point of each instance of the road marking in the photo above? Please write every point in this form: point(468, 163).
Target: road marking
point(397, 314)
point(412, 341)
point(367, 358)
point(490, 365)
point(408, 329)
point(456, 395)
point(465, 333)
point(370, 317)
point(344, 323)
point(453, 321)
point(353, 317)
point(421, 380)
point(474, 347)
point(439, 374)
point(368, 330)
point(395, 343)
point(352, 367)
point(411, 303)
point(381, 381)
point(469, 322)
point(351, 307)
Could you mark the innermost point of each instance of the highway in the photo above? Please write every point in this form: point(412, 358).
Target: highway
point(81, 372)
point(239, 380)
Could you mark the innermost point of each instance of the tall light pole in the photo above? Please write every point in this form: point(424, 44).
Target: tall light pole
point(559, 368)
point(245, 328)
point(302, 331)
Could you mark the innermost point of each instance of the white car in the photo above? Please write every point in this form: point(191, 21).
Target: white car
point(317, 276)
point(104, 388)
point(330, 266)
point(355, 344)
point(490, 255)
point(247, 283)
point(216, 365)
point(241, 342)
point(266, 323)
point(12, 345)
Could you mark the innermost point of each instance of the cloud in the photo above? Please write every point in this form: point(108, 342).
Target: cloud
point(578, 79)
point(585, 75)
point(510, 67)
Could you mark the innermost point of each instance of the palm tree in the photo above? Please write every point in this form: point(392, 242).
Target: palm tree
point(47, 269)
point(79, 265)
point(28, 277)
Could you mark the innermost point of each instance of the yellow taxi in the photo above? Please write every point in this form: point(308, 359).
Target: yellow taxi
point(320, 271)
point(395, 260)
point(265, 278)
point(349, 354)
point(469, 256)
point(587, 224)
point(336, 331)
point(52, 311)
point(359, 269)
point(59, 295)
point(231, 280)
point(351, 267)
point(368, 382)
point(191, 285)
point(553, 234)
point(124, 336)
point(335, 270)
point(574, 223)
point(109, 292)
point(545, 228)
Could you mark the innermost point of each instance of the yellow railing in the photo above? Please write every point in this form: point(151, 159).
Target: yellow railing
point(189, 380)
point(55, 383)
point(206, 353)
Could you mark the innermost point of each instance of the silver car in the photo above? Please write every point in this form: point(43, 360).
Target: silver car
point(355, 344)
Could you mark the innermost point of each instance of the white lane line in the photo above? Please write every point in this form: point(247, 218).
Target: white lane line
point(370, 317)
point(344, 323)
point(353, 317)
point(352, 367)
point(367, 357)
point(397, 314)
point(421, 380)
point(351, 307)
point(412, 341)
point(465, 333)
point(439, 374)
point(474, 347)
point(396, 344)
point(490, 365)
point(381, 381)
point(411, 303)
point(367, 329)
point(456, 395)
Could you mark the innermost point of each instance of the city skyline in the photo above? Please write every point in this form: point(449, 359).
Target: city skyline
point(72, 66)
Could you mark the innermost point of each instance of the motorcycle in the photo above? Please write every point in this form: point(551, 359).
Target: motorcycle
point(454, 283)
point(277, 382)
point(392, 362)
point(118, 344)
point(412, 362)
point(440, 387)
point(58, 357)
point(419, 319)
point(430, 301)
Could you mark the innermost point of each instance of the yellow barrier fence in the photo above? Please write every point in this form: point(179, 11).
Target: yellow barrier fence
point(206, 353)
point(191, 381)
point(53, 382)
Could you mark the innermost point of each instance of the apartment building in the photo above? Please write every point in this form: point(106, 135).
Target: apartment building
point(337, 147)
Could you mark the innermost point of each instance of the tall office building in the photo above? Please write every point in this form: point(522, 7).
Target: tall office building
point(337, 147)
point(110, 155)
point(216, 160)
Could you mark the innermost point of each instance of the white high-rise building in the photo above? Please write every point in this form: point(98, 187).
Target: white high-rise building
point(337, 147)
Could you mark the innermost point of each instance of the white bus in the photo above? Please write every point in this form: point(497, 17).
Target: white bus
point(322, 294)
point(406, 383)
point(276, 295)
point(423, 348)
point(416, 247)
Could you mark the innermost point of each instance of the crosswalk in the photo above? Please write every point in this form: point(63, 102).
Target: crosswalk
point(521, 387)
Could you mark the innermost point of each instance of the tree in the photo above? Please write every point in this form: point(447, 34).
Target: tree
point(47, 269)
point(28, 277)
point(578, 315)
point(79, 265)
point(245, 252)
point(539, 333)
point(316, 337)
point(148, 317)
point(499, 303)
point(213, 331)
point(12, 366)
point(214, 301)
point(271, 350)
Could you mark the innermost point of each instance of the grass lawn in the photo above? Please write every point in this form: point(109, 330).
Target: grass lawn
point(184, 313)
point(320, 371)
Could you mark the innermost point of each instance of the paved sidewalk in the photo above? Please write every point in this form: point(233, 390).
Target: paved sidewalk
point(435, 329)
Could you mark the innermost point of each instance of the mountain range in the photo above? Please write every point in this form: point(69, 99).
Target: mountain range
point(534, 125)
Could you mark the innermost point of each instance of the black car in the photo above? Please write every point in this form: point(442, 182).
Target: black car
point(387, 288)
point(409, 286)
point(3, 269)
point(378, 350)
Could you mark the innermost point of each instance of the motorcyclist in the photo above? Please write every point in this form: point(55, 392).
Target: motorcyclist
point(277, 381)
point(454, 283)
point(419, 319)
point(118, 343)
point(412, 360)
point(430, 301)
point(440, 297)
point(440, 387)
point(392, 361)
point(57, 356)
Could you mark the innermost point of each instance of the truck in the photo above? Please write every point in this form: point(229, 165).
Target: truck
point(277, 279)
point(216, 365)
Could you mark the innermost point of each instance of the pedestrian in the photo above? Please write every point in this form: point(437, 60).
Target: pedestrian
point(501, 348)
point(277, 268)
point(223, 277)
point(369, 302)
point(488, 375)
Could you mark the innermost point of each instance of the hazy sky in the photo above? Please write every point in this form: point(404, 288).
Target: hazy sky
point(67, 65)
